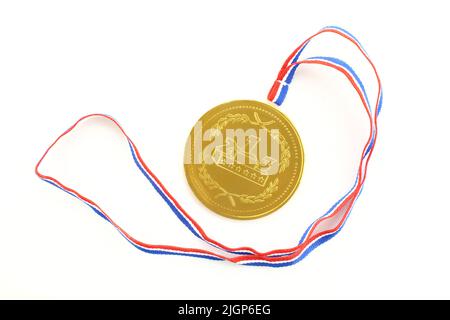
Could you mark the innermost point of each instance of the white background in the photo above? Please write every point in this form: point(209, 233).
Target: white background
point(157, 67)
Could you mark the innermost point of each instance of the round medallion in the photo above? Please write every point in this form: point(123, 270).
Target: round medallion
point(244, 159)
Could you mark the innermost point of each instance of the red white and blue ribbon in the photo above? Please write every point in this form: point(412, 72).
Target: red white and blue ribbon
point(321, 230)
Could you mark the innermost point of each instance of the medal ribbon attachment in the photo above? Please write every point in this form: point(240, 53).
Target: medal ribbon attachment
point(321, 230)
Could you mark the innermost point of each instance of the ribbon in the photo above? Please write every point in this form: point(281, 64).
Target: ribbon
point(321, 230)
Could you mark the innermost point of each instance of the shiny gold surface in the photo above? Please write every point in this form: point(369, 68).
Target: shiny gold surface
point(243, 191)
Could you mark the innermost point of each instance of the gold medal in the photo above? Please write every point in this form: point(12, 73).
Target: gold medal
point(244, 159)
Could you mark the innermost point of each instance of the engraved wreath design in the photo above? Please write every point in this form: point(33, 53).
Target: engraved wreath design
point(268, 192)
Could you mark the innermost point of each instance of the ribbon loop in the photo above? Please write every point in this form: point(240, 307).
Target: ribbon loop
point(321, 230)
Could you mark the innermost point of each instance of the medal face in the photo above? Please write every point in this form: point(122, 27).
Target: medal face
point(243, 159)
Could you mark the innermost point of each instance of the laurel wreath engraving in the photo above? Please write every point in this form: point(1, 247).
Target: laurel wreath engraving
point(268, 192)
